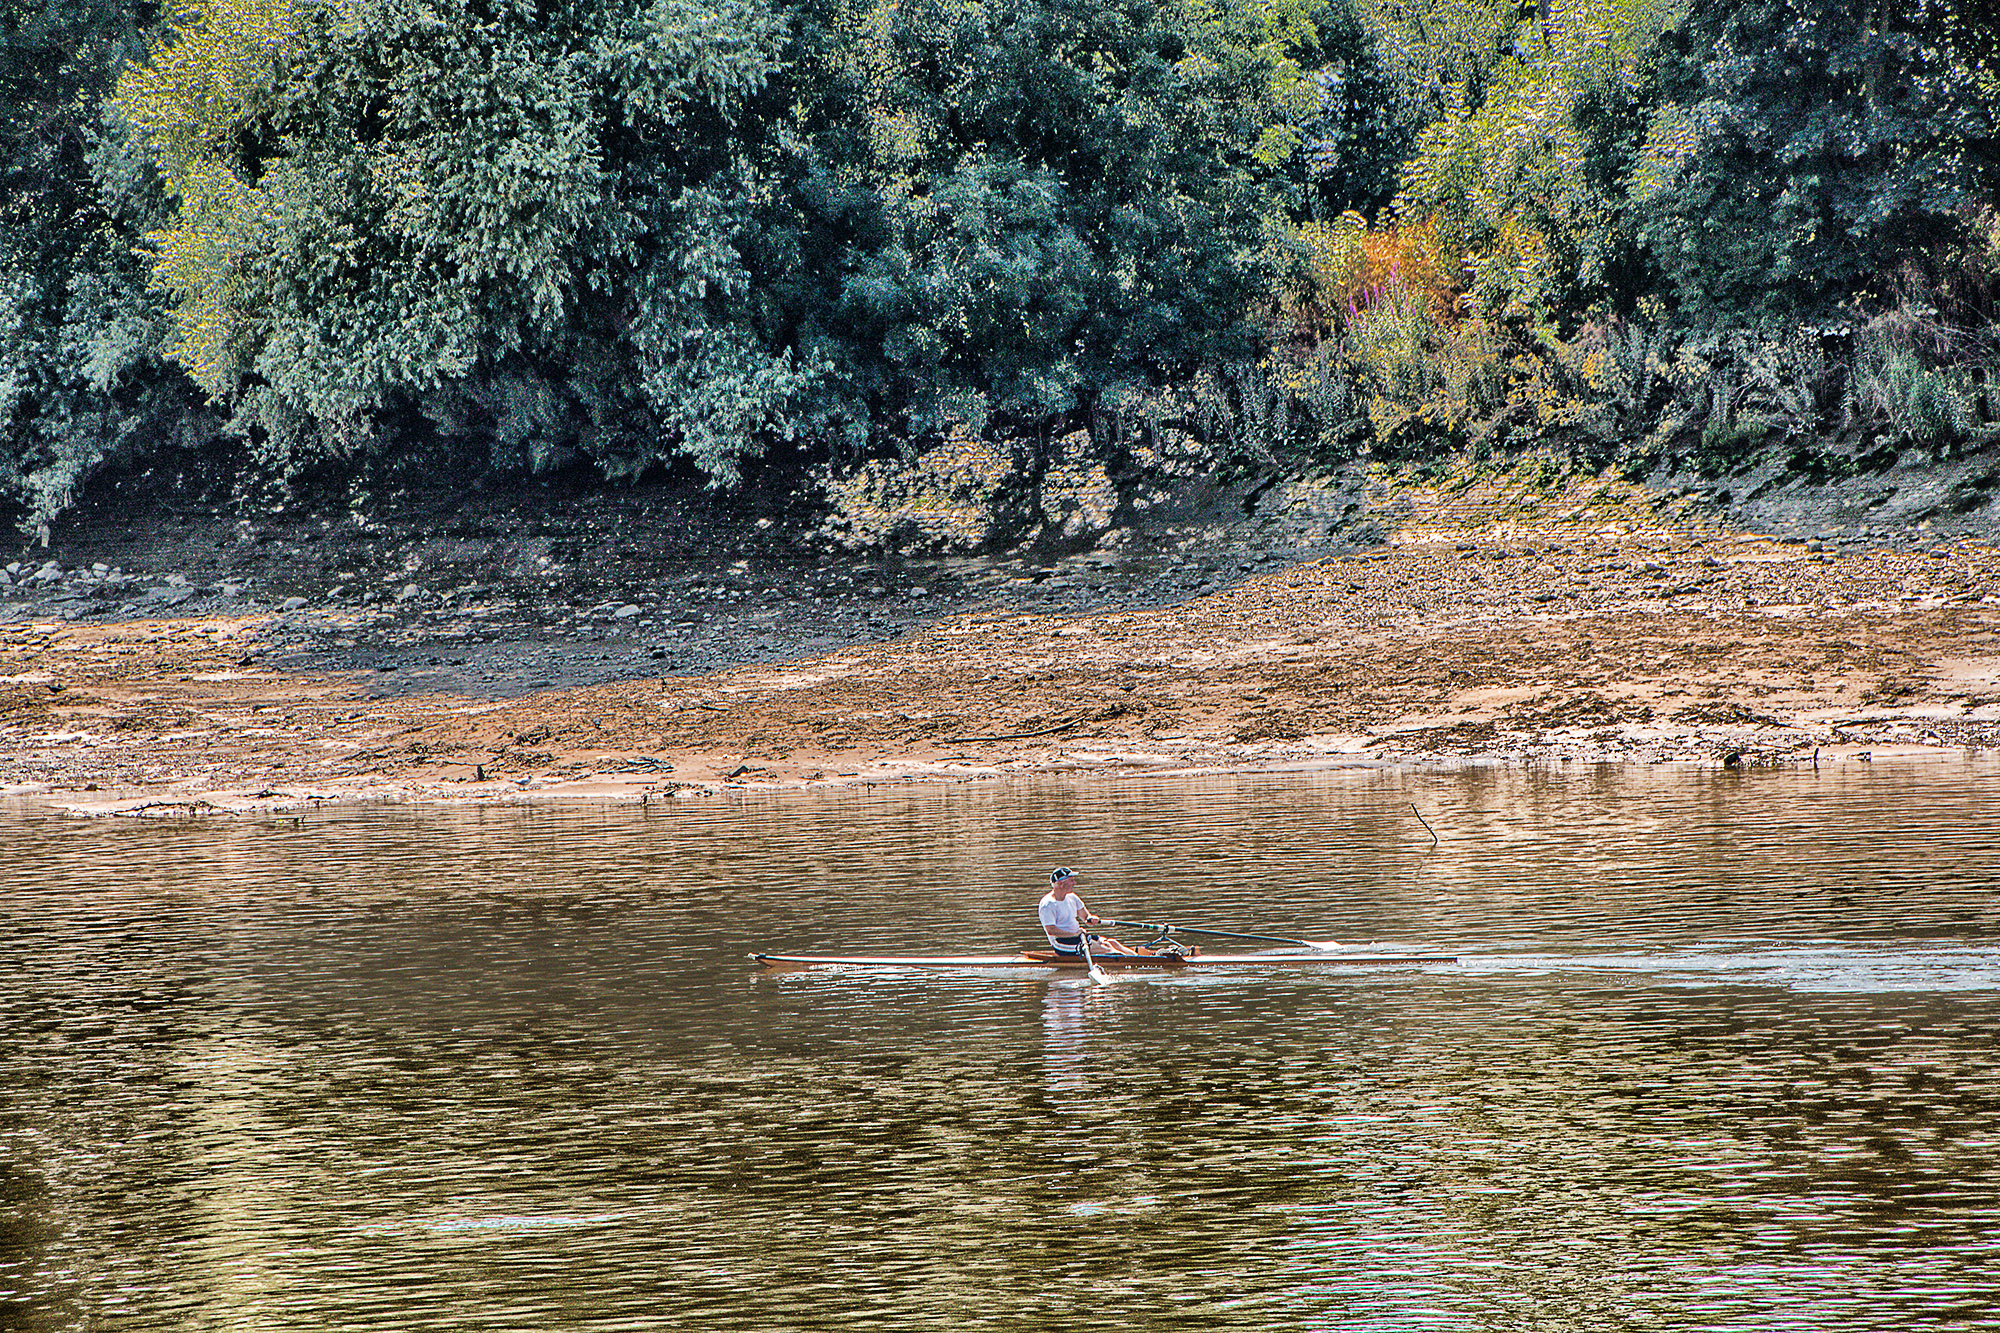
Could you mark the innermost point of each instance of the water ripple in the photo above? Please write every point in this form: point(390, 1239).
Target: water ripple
point(1719, 1054)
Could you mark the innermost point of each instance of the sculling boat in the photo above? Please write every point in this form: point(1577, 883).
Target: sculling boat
point(1110, 962)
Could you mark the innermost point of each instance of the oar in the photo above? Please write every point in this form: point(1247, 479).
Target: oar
point(1096, 972)
point(1226, 934)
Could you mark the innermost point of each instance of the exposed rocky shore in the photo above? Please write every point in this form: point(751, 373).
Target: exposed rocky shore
point(222, 649)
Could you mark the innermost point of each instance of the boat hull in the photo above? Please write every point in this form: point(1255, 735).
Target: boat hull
point(1110, 962)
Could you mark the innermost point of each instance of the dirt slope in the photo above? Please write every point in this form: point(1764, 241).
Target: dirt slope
point(1468, 635)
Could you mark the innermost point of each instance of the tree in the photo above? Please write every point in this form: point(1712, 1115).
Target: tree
point(1025, 206)
point(1355, 135)
point(1522, 169)
point(641, 228)
point(79, 379)
point(1801, 150)
point(505, 221)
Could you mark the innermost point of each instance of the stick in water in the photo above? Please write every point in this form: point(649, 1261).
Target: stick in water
point(1425, 822)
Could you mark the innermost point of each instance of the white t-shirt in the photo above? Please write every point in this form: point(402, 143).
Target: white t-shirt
point(1060, 916)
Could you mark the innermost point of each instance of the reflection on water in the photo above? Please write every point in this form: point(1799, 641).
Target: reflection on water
point(1720, 1054)
point(1069, 1005)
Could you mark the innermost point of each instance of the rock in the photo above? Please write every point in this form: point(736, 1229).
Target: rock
point(409, 590)
point(626, 612)
point(292, 604)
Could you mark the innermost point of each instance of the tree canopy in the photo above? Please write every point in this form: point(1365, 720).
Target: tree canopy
point(653, 233)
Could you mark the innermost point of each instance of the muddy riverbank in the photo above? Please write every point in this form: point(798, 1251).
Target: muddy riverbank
point(645, 644)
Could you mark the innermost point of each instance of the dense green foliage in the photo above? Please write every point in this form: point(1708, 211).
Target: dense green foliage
point(521, 225)
point(1676, 230)
point(1069, 240)
point(81, 379)
point(636, 231)
point(1797, 149)
point(1016, 210)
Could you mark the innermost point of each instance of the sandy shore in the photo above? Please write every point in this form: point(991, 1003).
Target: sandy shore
point(1497, 642)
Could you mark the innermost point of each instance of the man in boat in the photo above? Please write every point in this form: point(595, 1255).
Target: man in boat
point(1065, 918)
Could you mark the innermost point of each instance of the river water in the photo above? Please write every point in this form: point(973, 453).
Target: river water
point(1720, 1054)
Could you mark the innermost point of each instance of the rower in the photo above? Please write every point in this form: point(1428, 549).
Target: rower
point(1064, 918)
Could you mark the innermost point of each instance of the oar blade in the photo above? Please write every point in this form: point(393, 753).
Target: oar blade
point(1096, 973)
